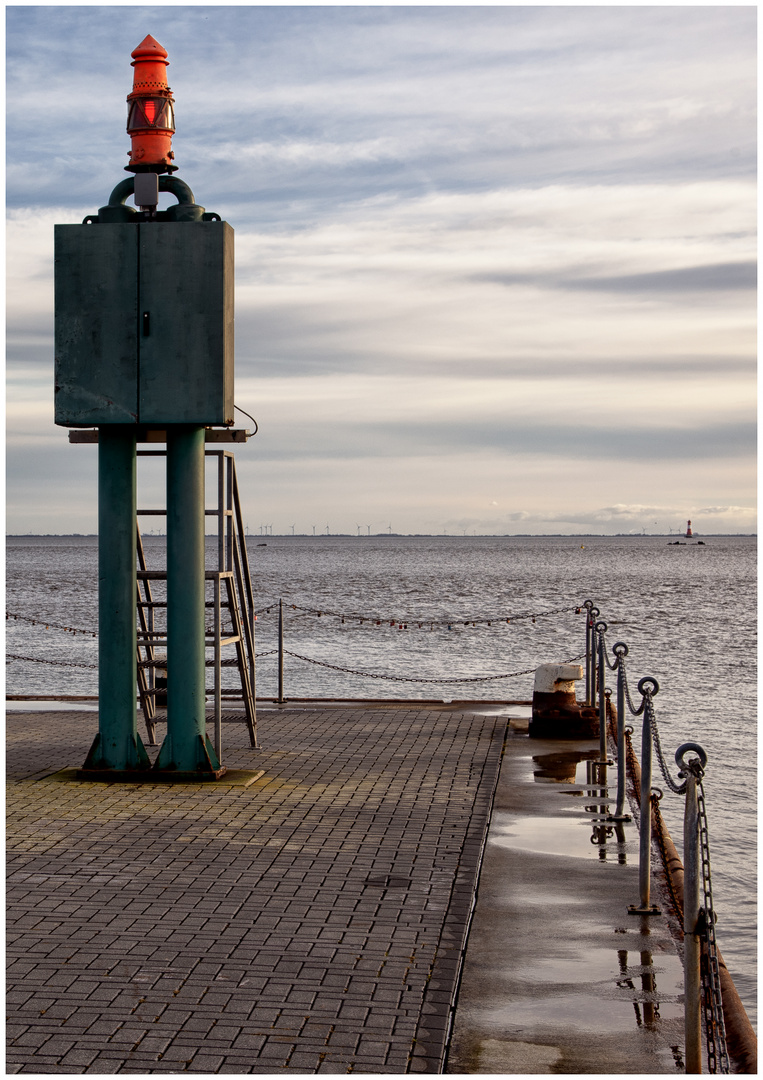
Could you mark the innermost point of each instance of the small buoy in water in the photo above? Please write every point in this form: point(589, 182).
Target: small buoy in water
point(582, 546)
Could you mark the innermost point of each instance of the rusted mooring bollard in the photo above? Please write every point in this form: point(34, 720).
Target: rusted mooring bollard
point(556, 714)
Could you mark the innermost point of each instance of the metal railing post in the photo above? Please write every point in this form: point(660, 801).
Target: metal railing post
point(601, 628)
point(620, 649)
point(588, 624)
point(693, 771)
point(281, 698)
point(647, 686)
point(692, 943)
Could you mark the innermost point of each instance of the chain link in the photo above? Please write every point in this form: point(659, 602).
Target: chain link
point(635, 711)
point(412, 679)
point(55, 663)
point(678, 789)
point(715, 1027)
point(39, 620)
point(616, 664)
point(420, 620)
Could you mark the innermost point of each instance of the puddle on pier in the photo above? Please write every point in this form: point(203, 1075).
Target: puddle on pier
point(578, 1011)
point(630, 970)
point(565, 767)
point(577, 837)
point(639, 989)
point(592, 837)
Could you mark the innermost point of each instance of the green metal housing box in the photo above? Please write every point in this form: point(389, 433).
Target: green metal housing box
point(144, 323)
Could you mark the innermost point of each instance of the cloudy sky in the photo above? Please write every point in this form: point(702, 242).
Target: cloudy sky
point(495, 266)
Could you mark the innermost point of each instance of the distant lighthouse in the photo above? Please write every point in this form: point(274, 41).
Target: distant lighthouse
point(688, 528)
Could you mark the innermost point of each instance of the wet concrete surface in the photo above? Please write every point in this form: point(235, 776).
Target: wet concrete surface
point(558, 976)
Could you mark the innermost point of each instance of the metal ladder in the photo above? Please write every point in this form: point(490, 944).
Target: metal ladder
point(232, 605)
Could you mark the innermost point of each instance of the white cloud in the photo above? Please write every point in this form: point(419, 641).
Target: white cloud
point(471, 243)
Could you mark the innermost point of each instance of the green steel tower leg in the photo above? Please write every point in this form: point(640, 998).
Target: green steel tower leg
point(186, 748)
point(117, 745)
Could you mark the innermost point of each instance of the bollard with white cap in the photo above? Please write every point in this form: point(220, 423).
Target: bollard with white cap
point(556, 713)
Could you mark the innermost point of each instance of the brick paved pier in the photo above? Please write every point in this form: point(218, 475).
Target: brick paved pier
point(312, 921)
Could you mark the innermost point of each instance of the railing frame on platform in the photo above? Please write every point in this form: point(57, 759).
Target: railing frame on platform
point(620, 649)
point(692, 941)
point(281, 698)
point(698, 919)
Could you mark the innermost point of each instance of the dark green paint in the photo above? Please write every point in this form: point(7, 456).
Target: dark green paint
point(186, 747)
point(108, 370)
point(117, 745)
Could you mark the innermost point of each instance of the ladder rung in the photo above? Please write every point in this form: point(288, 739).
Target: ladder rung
point(161, 575)
point(234, 600)
point(163, 603)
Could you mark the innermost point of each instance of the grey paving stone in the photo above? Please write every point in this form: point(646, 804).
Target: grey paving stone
point(79, 1057)
point(206, 1063)
point(242, 918)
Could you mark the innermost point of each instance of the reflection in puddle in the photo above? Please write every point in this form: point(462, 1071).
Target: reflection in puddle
point(565, 767)
point(649, 1003)
point(634, 995)
point(583, 767)
point(579, 838)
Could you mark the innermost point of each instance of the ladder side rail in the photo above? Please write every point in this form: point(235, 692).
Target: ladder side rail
point(145, 691)
point(248, 677)
point(246, 687)
point(230, 525)
point(218, 671)
point(245, 579)
point(244, 553)
point(220, 516)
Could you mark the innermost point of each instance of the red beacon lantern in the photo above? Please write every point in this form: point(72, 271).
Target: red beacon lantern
point(150, 111)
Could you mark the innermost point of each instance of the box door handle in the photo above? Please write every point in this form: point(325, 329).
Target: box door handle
point(146, 323)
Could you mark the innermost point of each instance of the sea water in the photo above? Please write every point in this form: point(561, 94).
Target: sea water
point(404, 617)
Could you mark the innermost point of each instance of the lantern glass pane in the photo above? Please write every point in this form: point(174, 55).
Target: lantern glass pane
point(150, 113)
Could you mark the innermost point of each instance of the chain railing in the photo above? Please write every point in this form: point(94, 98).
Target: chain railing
point(702, 984)
point(283, 652)
point(349, 618)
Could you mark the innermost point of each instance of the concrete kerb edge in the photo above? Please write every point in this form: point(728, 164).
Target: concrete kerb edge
point(437, 1050)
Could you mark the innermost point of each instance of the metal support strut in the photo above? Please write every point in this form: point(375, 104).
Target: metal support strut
point(186, 748)
point(117, 745)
